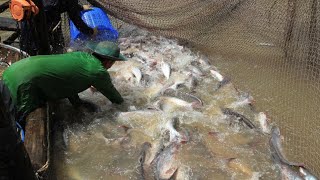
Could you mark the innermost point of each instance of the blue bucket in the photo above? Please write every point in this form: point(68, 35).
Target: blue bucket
point(95, 18)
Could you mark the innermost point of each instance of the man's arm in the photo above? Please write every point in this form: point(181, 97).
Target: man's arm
point(73, 10)
point(78, 103)
point(103, 84)
point(75, 100)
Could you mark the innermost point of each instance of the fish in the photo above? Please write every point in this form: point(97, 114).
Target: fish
point(225, 81)
point(166, 69)
point(306, 174)
point(144, 58)
point(167, 103)
point(137, 73)
point(134, 138)
point(204, 61)
point(174, 86)
point(264, 122)
point(142, 119)
point(166, 164)
point(288, 173)
point(157, 147)
point(182, 173)
point(243, 101)
point(143, 168)
point(241, 117)
point(195, 70)
point(289, 170)
point(239, 165)
point(174, 134)
point(216, 75)
point(191, 82)
point(276, 148)
point(154, 90)
point(111, 141)
point(200, 102)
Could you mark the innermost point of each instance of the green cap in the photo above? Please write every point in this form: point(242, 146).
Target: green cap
point(107, 49)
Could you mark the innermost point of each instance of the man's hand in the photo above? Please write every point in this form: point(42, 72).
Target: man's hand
point(87, 106)
point(93, 89)
point(87, 7)
point(95, 31)
point(123, 107)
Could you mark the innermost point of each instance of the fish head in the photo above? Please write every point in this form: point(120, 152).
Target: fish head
point(275, 131)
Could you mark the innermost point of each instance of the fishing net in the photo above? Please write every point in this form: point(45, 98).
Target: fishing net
point(268, 48)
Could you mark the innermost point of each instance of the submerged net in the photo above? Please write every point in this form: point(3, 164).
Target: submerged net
point(269, 48)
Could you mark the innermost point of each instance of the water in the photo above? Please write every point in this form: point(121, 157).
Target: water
point(283, 87)
point(108, 144)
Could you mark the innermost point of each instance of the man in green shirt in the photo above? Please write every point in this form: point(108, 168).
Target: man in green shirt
point(31, 82)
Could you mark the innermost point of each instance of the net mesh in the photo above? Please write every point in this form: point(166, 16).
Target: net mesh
point(269, 48)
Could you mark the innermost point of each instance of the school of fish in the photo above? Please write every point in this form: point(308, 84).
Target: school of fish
point(182, 119)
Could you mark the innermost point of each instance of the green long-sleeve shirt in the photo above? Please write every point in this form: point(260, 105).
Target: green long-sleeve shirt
point(37, 79)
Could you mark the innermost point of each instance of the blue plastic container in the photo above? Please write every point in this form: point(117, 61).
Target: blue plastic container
point(95, 18)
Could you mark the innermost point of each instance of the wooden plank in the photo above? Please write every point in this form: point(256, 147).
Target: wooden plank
point(36, 137)
point(4, 6)
point(8, 24)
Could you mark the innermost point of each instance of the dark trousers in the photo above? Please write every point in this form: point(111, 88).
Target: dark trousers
point(56, 39)
point(14, 160)
point(29, 40)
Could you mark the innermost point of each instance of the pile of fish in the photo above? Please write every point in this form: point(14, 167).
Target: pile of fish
point(182, 119)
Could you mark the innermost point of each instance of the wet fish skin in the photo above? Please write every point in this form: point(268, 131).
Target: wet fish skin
point(276, 147)
point(204, 61)
point(288, 173)
point(200, 102)
point(166, 69)
point(264, 124)
point(182, 173)
point(241, 117)
point(287, 168)
point(245, 100)
point(142, 56)
point(166, 162)
point(174, 86)
point(225, 81)
point(191, 82)
point(142, 159)
point(175, 136)
point(137, 73)
point(166, 101)
point(306, 174)
point(195, 70)
point(216, 75)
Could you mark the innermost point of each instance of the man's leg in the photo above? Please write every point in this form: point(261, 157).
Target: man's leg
point(27, 40)
point(57, 40)
point(14, 160)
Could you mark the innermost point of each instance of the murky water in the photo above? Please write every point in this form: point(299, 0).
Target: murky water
point(158, 110)
point(272, 96)
point(283, 87)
